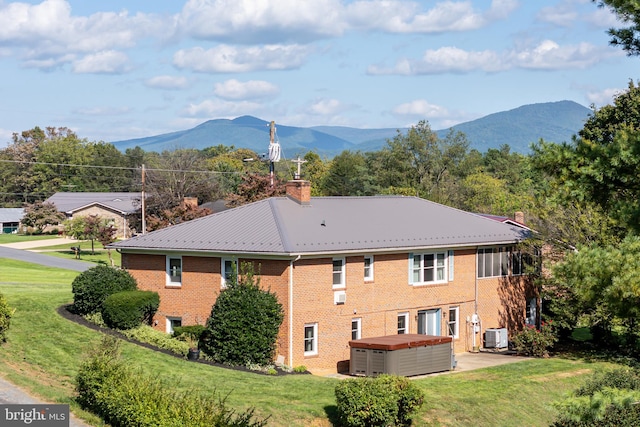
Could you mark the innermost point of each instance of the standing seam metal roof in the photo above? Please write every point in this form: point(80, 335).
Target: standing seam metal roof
point(280, 225)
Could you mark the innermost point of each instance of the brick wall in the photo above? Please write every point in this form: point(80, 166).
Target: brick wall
point(377, 303)
point(119, 220)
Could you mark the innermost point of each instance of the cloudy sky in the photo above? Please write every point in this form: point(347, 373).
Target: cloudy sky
point(113, 70)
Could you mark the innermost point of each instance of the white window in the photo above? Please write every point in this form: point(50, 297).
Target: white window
point(493, 262)
point(403, 323)
point(174, 271)
point(173, 322)
point(311, 339)
point(429, 268)
point(532, 309)
point(356, 325)
point(338, 272)
point(368, 268)
point(454, 314)
point(227, 269)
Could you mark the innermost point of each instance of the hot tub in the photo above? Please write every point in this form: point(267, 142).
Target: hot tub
point(404, 354)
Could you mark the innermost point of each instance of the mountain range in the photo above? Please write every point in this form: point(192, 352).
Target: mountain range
point(551, 121)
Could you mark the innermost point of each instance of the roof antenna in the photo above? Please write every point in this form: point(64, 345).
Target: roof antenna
point(299, 161)
point(274, 149)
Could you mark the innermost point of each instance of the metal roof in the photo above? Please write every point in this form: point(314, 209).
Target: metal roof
point(11, 214)
point(71, 202)
point(281, 226)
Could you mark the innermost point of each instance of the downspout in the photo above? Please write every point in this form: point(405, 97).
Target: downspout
point(291, 311)
point(475, 316)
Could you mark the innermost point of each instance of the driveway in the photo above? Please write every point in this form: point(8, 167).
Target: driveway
point(20, 252)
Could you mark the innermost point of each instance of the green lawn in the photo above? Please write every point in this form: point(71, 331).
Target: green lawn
point(44, 350)
point(14, 238)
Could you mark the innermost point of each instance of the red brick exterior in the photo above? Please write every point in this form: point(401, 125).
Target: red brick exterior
point(307, 295)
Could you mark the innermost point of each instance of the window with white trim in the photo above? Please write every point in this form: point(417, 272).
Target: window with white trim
point(174, 270)
point(356, 328)
point(338, 272)
point(173, 322)
point(311, 339)
point(429, 268)
point(403, 323)
point(226, 270)
point(368, 268)
point(452, 322)
point(493, 262)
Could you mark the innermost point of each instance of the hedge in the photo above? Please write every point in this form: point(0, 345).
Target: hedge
point(90, 288)
point(129, 309)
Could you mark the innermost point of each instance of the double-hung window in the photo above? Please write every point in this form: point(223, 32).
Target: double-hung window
point(311, 339)
point(368, 268)
point(429, 268)
point(338, 273)
point(227, 266)
point(356, 328)
point(493, 262)
point(452, 323)
point(403, 323)
point(174, 270)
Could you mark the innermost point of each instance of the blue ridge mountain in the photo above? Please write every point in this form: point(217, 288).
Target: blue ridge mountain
point(519, 128)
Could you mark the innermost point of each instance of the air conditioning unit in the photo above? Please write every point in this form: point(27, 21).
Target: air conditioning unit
point(496, 338)
point(339, 297)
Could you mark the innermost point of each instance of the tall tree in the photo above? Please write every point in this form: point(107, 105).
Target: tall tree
point(41, 214)
point(255, 187)
point(348, 175)
point(628, 12)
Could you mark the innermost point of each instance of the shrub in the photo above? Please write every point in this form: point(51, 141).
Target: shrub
point(90, 288)
point(385, 400)
point(146, 334)
point(190, 334)
point(129, 309)
point(6, 313)
point(606, 399)
point(535, 342)
point(244, 323)
point(125, 396)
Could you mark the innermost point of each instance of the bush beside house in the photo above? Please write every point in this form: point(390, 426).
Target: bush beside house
point(129, 309)
point(90, 288)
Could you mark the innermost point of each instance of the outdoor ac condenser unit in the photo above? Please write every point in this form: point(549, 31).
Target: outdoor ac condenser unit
point(496, 338)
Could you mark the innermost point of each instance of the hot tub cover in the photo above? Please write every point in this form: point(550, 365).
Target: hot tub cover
point(400, 341)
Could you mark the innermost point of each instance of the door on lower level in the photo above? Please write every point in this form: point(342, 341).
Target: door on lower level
point(429, 321)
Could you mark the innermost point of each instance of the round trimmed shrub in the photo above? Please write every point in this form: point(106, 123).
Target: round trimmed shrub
point(90, 288)
point(129, 309)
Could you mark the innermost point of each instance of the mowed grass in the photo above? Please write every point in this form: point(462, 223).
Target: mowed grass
point(15, 238)
point(44, 351)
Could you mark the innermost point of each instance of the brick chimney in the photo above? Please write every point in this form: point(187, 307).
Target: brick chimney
point(299, 191)
point(519, 217)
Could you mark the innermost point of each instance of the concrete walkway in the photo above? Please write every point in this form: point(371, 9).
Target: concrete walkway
point(33, 244)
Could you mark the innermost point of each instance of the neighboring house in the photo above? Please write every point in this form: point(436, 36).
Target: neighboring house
point(343, 268)
point(115, 207)
point(10, 219)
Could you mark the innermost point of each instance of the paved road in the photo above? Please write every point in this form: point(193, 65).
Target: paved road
point(50, 261)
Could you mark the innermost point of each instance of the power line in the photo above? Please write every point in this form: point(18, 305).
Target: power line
point(119, 167)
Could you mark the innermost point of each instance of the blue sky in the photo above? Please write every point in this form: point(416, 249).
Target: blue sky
point(127, 69)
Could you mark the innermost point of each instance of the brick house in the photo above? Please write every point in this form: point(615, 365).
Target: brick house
point(343, 268)
point(116, 207)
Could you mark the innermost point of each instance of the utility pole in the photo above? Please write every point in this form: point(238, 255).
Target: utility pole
point(144, 223)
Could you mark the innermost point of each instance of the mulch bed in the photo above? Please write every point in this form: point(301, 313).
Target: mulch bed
point(65, 312)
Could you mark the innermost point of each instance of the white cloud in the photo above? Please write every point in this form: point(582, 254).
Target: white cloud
point(397, 16)
point(421, 108)
point(221, 109)
point(234, 59)
point(167, 82)
point(48, 34)
point(237, 90)
point(547, 55)
point(603, 97)
point(264, 21)
point(103, 111)
point(108, 62)
point(327, 107)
